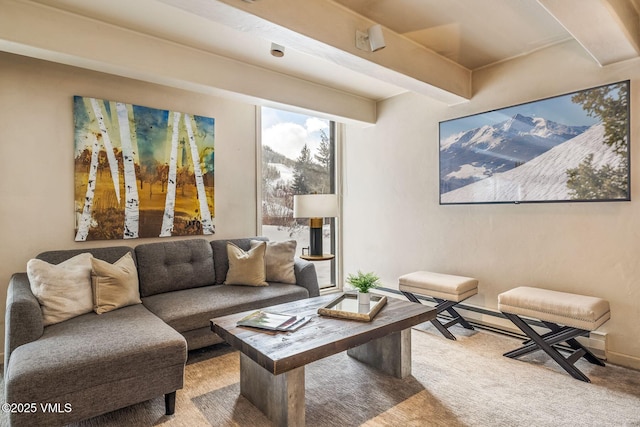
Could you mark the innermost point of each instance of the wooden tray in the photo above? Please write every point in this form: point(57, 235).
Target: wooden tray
point(346, 306)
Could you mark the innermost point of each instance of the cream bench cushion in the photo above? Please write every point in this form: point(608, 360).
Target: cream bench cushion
point(577, 311)
point(437, 285)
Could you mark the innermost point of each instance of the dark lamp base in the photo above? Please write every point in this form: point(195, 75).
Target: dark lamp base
point(315, 238)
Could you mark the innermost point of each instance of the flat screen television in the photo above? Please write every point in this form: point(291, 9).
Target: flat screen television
point(568, 148)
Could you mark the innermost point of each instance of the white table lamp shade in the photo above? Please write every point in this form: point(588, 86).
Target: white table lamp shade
point(315, 206)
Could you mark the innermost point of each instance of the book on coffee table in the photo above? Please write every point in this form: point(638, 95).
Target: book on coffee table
point(273, 321)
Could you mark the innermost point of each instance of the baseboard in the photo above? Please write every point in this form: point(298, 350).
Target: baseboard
point(623, 360)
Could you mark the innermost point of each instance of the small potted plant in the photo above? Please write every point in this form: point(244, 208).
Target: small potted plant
point(363, 282)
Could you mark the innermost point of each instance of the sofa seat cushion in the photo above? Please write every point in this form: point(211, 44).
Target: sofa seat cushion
point(90, 350)
point(193, 308)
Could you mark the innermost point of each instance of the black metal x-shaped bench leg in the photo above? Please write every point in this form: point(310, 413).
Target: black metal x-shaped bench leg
point(574, 344)
point(547, 341)
point(443, 305)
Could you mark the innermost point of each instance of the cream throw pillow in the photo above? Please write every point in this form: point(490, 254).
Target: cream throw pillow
point(63, 290)
point(279, 261)
point(246, 268)
point(114, 285)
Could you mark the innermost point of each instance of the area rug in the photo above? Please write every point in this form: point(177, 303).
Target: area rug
point(453, 383)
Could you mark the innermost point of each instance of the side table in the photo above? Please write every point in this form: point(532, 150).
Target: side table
point(323, 257)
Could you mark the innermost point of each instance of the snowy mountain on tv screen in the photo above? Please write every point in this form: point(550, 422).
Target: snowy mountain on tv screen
point(480, 153)
point(543, 178)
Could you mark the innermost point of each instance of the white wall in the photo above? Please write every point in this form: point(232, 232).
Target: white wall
point(36, 155)
point(393, 223)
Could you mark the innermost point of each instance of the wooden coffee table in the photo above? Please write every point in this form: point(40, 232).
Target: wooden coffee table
point(272, 363)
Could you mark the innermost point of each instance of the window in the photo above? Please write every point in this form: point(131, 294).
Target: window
point(298, 154)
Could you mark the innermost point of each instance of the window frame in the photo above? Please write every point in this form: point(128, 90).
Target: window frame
point(336, 133)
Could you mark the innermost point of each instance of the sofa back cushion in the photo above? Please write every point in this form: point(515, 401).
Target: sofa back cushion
point(221, 258)
point(109, 254)
point(174, 265)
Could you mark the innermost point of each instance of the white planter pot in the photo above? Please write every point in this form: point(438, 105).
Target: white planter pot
point(364, 298)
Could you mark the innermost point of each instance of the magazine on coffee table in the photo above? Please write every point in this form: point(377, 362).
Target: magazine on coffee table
point(273, 321)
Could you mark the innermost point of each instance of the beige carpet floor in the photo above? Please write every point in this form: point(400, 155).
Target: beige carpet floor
point(454, 383)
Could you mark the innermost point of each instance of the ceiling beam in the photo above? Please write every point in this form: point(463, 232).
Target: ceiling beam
point(75, 40)
point(328, 30)
point(608, 29)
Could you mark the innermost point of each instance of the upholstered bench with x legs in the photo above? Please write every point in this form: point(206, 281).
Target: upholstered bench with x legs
point(566, 315)
point(447, 290)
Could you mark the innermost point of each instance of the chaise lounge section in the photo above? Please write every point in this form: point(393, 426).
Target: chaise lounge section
point(90, 364)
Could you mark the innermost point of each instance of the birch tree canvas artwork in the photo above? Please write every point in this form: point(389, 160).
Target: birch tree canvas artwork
point(141, 172)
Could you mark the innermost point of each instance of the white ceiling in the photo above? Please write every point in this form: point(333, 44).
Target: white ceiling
point(465, 35)
point(470, 32)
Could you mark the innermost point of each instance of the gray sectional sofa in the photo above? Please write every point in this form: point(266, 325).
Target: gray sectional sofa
point(92, 364)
